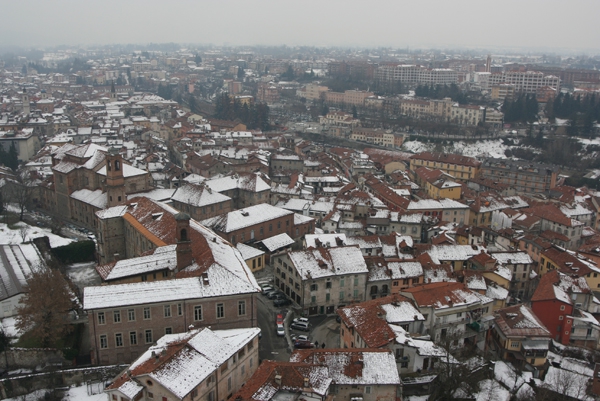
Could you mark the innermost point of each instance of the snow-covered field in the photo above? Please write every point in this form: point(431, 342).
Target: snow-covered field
point(8, 236)
point(487, 148)
point(79, 393)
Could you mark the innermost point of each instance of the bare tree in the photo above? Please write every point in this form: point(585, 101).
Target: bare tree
point(561, 384)
point(23, 233)
point(22, 189)
point(45, 307)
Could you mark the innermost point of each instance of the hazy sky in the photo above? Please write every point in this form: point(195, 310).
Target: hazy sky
point(551, 25)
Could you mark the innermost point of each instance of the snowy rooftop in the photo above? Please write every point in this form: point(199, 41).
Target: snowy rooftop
point(248, 252)
point(16, 263)
point(325, 262)
point(247, 217)
point(198, 196)
point(128, 171)
point(329, 240)
point(95, 198)
point(277, 242)
point(164, 257)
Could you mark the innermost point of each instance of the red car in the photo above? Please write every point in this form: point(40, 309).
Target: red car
point(279, 318)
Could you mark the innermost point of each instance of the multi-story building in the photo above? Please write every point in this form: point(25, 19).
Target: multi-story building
point(460, 167)
point(320, 280)
point(256, 223)
point(352, 374)
point(503, 92)
point(390, 323)
point(415, 74)
point(200, 201)
point(525, 81)
point(195, 365)
point(125, 319)
point(521, 338)
point(453, 313)
point(26, 144)
point(377, 136)
point(521, 266)
point(524, 175)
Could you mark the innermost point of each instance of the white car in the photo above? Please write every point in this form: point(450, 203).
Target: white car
point(280, 330)
point(302, 337)
point(300, 320)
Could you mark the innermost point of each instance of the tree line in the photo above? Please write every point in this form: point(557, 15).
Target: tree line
point(581, 111)
point(524, 108)
point(254, 115)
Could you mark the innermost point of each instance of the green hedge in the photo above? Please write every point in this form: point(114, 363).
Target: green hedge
point(76, 252)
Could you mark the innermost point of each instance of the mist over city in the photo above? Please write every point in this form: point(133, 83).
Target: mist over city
point(362, 201)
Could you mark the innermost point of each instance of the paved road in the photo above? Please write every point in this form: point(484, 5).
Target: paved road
point(272, 346)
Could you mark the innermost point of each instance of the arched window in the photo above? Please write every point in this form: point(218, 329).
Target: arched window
point(117, 165)
point(183, 234)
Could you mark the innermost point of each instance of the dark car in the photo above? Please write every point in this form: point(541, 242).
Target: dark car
point(303, 344)
point(274, 294)
point(282, 302)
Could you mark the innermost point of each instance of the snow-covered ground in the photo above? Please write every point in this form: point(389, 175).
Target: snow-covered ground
point(79, 393)
point(83, 274)
point(9, 236)
point(8, 325)
point(487, 148)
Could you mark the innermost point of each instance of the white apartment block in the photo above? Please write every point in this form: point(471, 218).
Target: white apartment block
point(416, 74)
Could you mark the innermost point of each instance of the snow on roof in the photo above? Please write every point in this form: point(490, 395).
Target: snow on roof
point(248, 252)
point(354, 367)
point(325, 262)
point(112, 212)
point(424, 347)
point(16, 263)
point(250, 182)
point(157, 194)
point(221, 282)
point(277, 242)
point(476, 282)
point(180, 362)
point(401, 312)
point(496, 292)
point(328, 240)
point(164, 257)
point(301, 219)
point(198, 196)
point(428, 204)
point(442, 253)
point(512, 257)
point(300, 205)
point(128, 171)
point(250, 216)
point(95, 198)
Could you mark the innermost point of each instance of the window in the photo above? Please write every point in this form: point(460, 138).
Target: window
point(198, 312)
point(211, 396)
point(194, 393)
point(144, 277)
point(355, 281)
point(132, 338)
point(131, 314)
point(150, 395)
point(229, 383)
point(168, 330)
point(101, 319)
point(119, 340)
point(561, 317)
point(341, 295)
point(313, 299)
point(148, 336)
point(167, 310)
point(367, 389)
point(327, 297)
point(241, 308)
point(342, 282)
point(355, 293)
point(314, 287)
point(459, 314)
point(220, 310)
point(179, 309)
point(270, 227)
point(562, 307)
point(146, 313)
point(103, 342)
point(117, 316)
point(514, 344)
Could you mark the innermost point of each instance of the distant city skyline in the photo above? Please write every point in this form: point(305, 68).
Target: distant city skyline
point(550, 26)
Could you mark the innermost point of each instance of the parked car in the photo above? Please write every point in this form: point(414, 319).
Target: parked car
point(300, 326)
point(303, 344)
point(300, 319)
point(282, 302)
point(279, 296)
point(302, 337)
point(279, 319)
point(280, 330)
point(267, 289)
point(273, 294)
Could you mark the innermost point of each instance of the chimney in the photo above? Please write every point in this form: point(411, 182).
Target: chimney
point(184, 245)
point(278, 379)
point(306, 382)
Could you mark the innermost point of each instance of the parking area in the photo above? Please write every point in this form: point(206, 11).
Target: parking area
point(322, 329)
